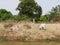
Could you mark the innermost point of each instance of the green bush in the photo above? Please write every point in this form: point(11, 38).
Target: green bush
point(20, 17)
point(5, 15)
point(43, 18)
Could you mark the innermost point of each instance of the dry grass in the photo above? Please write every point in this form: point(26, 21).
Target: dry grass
point(32, 31)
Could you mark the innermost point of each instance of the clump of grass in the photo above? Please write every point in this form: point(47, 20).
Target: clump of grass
point(8, 25)
point(2, 39)
point(49, 40)
point(27, 26)
point(22, 39)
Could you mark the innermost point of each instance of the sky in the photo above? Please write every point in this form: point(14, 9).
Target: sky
point(11, 5)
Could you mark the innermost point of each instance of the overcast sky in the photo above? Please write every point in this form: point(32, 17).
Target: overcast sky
point(11, 5)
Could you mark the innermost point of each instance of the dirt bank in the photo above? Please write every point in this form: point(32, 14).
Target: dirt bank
point(28, 31)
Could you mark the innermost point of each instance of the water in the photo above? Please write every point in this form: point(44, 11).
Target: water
point(28, 43)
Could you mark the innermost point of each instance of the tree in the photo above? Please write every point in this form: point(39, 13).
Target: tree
point(55, 13)
point(5, 15)
point(29, 8)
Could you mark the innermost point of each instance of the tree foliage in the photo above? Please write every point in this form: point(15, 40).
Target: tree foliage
point(54, 14)
point(18, 17)
point(29, 8)
point(5, 15)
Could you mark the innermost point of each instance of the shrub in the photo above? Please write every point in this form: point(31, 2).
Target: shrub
point(43, 18)
point(20, 17)
point(5, 15)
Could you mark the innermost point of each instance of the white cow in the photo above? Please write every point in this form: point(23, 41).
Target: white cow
point(42, 26)
point(15, 27)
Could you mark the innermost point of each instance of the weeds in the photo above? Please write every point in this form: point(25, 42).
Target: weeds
point(27, 26)
point(8, 25)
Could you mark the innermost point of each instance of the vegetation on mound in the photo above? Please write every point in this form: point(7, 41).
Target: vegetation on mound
point(29, 9)
point(23, 39)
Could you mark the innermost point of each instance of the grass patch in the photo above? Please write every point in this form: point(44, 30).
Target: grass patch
point(2, 39)
point(49, 40)
point(8, 25)
point(27, 26)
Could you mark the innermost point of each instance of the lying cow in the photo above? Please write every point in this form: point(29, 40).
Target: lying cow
point(16, 27)
point(42, 26)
